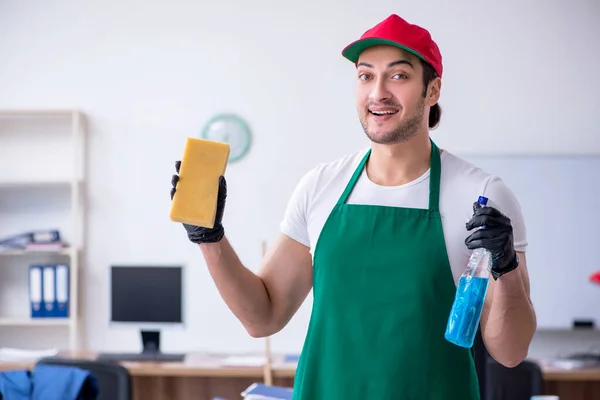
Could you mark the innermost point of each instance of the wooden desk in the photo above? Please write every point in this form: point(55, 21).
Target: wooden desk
point(198, 377)
point(577, 384)
point(202, 377)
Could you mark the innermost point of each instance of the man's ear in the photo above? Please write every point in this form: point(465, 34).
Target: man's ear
point(433, 92)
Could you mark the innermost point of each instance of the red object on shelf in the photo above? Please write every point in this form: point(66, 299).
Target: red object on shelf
point(595, 277)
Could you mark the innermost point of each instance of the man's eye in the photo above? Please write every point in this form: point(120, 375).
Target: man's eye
point(400, 76)
point(363, 77)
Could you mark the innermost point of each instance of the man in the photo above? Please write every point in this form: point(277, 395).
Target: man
point(382, 236)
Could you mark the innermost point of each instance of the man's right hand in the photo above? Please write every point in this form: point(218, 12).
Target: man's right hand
point(263, 302)
point(197, 234)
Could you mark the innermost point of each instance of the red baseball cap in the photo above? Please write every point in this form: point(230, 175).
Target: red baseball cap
point(595, 277)
point(395, 31)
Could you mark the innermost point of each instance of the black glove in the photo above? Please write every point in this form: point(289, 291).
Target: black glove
point(198, 234)
point(496, 236)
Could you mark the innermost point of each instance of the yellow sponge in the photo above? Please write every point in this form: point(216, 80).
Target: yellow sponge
point(195, 200)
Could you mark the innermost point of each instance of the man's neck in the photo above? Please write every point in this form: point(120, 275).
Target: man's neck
point(401, 163)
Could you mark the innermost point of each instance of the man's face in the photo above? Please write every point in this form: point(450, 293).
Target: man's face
point(389, 94)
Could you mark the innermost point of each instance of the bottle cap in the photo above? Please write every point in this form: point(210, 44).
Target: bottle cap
point(482, 200)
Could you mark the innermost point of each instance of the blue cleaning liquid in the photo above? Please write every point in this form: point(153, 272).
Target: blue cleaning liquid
point(466, 311)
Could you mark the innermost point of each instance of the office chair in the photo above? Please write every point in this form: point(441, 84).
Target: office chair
point(518, 383)
point(114, 381)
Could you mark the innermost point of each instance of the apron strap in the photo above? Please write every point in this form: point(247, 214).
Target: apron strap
point(434, 178)
point(355, 176)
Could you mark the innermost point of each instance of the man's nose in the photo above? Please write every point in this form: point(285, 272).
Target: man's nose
point(380, 91)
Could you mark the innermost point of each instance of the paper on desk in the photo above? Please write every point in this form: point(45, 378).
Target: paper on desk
point(259, 391)
point(565, 363)
point(244, 361)
point(10, 354)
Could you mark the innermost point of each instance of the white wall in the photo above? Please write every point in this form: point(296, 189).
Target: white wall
point(519, 77)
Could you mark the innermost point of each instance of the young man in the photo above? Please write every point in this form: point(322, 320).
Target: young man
point(382, 236)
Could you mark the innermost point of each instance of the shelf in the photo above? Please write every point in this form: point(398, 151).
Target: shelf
point(67, 251)
point(36, 113)
point(36, 184)
point(35, 321)
point(42, 160)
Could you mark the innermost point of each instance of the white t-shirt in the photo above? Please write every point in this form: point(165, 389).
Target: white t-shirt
point(461, 184)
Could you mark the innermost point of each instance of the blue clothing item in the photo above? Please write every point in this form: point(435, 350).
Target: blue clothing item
point(61, 382)
point(49, 382)
point(15, 385)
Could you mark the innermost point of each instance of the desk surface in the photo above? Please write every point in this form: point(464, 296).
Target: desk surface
point(195, 364)
point(205, 365)
point(561, 374)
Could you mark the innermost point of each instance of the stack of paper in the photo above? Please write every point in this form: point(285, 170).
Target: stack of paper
point(569, 363)
point(9, 354)
point(244, 361)
point(258, 391)
point(33, 240)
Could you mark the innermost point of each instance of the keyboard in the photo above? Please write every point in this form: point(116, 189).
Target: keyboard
point(585, 357)
point(141, 357)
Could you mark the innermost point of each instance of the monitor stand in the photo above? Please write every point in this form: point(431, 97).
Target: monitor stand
point(150, 351)
point(150, 342)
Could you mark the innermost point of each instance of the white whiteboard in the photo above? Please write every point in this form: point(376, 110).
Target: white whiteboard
point(560, 199)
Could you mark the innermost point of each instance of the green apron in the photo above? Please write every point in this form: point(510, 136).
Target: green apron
point(383, 289)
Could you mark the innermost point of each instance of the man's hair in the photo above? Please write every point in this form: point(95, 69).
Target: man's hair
point(435, 112)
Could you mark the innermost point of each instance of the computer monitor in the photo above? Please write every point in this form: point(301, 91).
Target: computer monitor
point(148, 297)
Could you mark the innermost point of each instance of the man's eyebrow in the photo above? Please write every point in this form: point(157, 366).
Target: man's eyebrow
point(390, 65)
point(398, 62)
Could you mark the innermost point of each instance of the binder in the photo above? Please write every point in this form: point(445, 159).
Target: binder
point(49, 291)
point(36, 294)
point(62, 291)
point(39, 237)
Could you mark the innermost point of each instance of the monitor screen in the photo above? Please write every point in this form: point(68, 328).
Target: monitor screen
point(146, 294)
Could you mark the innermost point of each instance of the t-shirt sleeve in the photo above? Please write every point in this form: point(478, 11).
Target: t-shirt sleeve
point(502, 197)
point(294, 223)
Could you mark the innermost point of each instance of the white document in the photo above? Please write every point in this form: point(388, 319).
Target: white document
point(244, 361)
point(10, 354)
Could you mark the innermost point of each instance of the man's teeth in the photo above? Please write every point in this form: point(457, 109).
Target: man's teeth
point(384, 112)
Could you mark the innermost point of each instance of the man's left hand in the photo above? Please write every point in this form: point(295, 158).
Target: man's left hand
point(496, 235)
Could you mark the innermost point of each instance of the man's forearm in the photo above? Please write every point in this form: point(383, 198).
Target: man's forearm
point(241, 289)
point(511, 323)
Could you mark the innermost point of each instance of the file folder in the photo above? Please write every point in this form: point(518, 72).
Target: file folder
point(62, 291)
point(35, 237)
point(49, 291)
point(36, 295)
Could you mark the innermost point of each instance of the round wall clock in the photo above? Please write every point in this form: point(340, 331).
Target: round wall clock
point(231, 129)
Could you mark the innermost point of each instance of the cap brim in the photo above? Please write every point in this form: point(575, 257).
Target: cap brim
point(353, 50)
